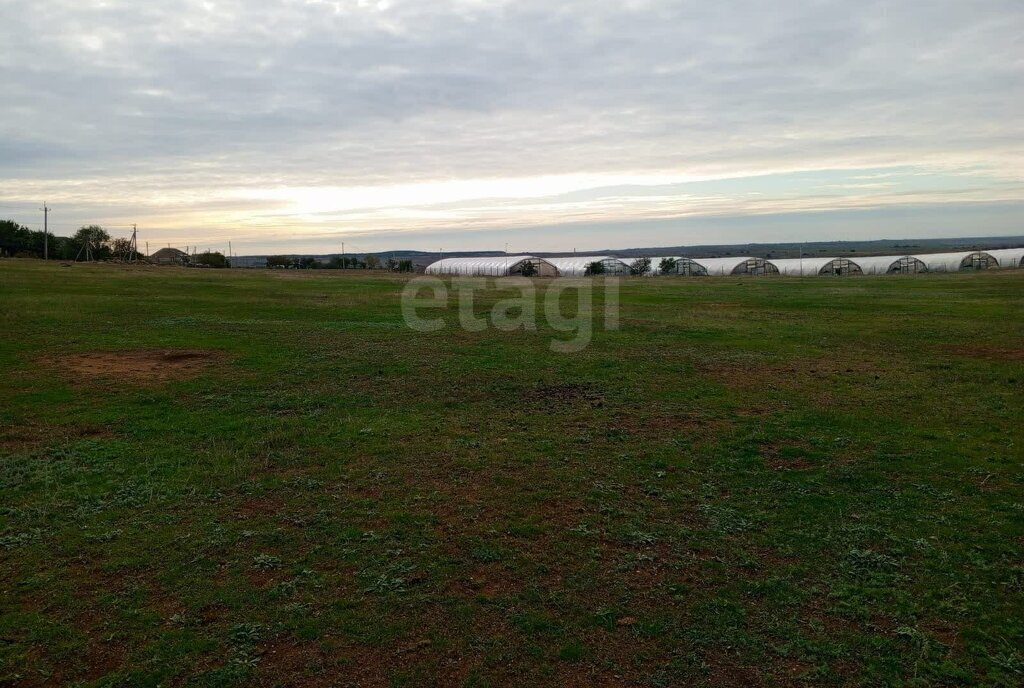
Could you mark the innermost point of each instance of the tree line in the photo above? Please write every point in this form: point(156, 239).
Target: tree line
point(369, 262)
point(19, 241)
point(91, 241)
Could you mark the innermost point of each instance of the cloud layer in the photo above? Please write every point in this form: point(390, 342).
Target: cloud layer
point(274, 121)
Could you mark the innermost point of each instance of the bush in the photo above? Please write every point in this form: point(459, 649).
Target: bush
point(212, 259)
point(640, 266)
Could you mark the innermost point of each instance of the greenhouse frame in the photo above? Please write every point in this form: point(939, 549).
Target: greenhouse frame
point(491, 266)
point(954, 262)
point(890, 265)
point(813, 266)
point(743, 265)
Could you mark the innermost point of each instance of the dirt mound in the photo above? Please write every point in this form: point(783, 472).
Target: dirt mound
point(141, 365)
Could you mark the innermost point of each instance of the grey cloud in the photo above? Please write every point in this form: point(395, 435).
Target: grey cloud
point(295, 93)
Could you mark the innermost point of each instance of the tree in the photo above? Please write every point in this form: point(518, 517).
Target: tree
point(279, 262)
point(405, 266)
point(213, 259)
point(93, 242)
point(14, 238)
point(640, 266)
point(392, 264)
point(595, 268)
point(668, 266)
point(121, 248)
point(372, 262)
point(529, 269)
point(62, 248)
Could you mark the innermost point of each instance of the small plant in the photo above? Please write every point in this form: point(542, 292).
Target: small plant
point(246, 633)
point(266, 561)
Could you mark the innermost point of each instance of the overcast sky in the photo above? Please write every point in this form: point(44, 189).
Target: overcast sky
point(295, 125)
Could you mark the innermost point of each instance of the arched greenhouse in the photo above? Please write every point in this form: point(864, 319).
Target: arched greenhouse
point(578, 266)
point(1009, 257)
point(954, 262)
point(890, 265)
point(808, 267)
point(682, 266)
point(492, 266)
point(737, 266)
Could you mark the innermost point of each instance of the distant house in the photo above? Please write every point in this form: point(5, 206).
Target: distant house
point(169, 256)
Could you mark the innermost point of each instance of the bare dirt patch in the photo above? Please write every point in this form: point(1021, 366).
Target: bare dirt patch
point(562, 395)
point(142, 365)
point(989, 353)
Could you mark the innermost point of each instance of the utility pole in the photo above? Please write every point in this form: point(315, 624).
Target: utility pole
point(46, 232)
point(229, 254)
point(135, 243)
point(343, 255)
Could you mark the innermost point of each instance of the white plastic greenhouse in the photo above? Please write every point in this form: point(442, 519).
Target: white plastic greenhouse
point(809, 267)
point(884, 265)
point(1008, 257)
point(576, 266)
point(683, 266)
point(952, 262)
point(737, 266)
point(491, 266)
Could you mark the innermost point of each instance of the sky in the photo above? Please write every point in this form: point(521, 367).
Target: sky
point(292, 126)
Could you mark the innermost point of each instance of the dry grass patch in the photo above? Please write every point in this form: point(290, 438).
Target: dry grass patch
point(141, 366)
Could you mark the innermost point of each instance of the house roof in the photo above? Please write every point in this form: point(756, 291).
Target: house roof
point(169, 254)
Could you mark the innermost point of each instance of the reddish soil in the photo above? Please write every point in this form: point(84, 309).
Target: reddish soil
point(990, 353)
point(141, 365)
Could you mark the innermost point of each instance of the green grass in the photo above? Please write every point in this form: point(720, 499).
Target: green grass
point(751, 482)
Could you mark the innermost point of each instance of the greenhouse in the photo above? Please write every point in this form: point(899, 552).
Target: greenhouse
point(808, 267)
point(1009, 257)
point(888, 265)
point(683, 266)
point(578, 266)
point(953, 262)
point(737, 266)
point(493, 266)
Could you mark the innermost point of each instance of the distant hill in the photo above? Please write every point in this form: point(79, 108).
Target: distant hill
point(759, 250)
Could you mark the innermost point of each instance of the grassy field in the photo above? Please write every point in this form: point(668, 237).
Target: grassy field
point(218, 478)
